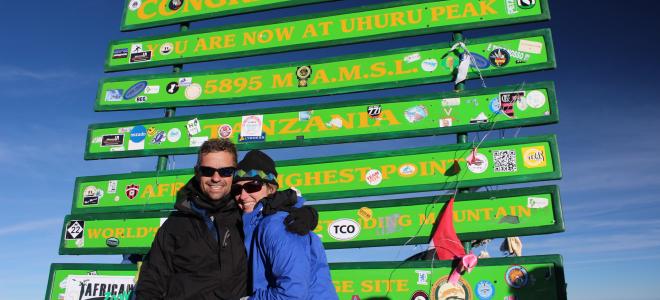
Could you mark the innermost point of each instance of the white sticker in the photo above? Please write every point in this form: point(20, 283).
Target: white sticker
point(335, 122)
point(118, 148)
point(407, 170)
point(173, 135)
point(535, 99)
point(477, 163)
point(185, 81)
point(97, 140)
point(166, 49)
point(124, 129)
point(374, 177)
point(135, 146)
point(162, 220)
point(535, 202)
point(136, 48)
point(112, 186)
point(530, 47)
point(79, 287)
point(197, 141)
point(480, 118)
point(429, 65)
point(451, 102)
point(252, 125)
point(446, 122)
point(193, 91)
point(193, 127)
point(422, 277)
point(412, 58)
point(134, 5)
point(344, 229)
point(75, 230)
point(152, 89)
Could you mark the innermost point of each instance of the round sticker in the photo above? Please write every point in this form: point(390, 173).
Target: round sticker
point(116, 198)
point(419, 295)
point(174, 135)
point(429, 65)
point(374, 177)
point(135, 90)
point(172, 87)
point(495, 106)
point(365, 213)
point(175, 4)
point(193, 91)
point(477, 164)
point(516, 277)
point(134, 5)
point(225, 131)
point(484, 289)
point(499, 57)
point(443, 290)
point(526, 3)
point(535, 99)
point(303, 72)
point(416, 113)
point(166, 48)
point(80, 243)
point(344, 229)
point(138, 134)
point(407, 170)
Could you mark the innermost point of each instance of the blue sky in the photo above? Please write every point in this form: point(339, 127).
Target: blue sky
point(52, 58)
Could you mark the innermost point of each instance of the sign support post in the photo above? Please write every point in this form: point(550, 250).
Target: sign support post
point(170, 111)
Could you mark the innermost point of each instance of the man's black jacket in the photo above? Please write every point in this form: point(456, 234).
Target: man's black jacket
point(187, 261)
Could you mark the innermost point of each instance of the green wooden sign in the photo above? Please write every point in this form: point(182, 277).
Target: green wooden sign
point(477, 216)
point(139, 14)
point(531, 277)
point(389, 20)
point(494, 56)
point(367, 174)
point(345, 122)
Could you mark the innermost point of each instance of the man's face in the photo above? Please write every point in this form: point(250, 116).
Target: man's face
point(247, 199)
point(216, 187)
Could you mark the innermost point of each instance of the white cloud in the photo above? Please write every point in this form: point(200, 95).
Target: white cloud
point(29, 226)
point(9, 73)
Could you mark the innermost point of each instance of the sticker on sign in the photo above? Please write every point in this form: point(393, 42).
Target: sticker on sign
point(344, 229)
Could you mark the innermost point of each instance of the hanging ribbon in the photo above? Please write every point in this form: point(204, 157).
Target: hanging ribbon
point(465, 263)
point(466, 61)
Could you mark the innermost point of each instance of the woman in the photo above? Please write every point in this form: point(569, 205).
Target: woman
point(283, 265)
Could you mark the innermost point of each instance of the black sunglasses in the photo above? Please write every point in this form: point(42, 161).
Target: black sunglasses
point(209, 172)
point(250, 187)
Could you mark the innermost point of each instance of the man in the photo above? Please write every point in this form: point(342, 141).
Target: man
point(198, 252)
point(283, 265)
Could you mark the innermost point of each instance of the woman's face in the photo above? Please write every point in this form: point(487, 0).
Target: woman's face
point(250, 193)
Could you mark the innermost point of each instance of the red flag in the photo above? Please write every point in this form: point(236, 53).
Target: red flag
point(446, 242)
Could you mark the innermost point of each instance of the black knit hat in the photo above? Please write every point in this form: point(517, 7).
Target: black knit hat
point(256, 165)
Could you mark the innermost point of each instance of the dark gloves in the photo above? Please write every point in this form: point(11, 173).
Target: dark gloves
point(280, 201)
point(302, 220)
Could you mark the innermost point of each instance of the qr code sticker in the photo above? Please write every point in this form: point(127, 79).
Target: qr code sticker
point(505, 161)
